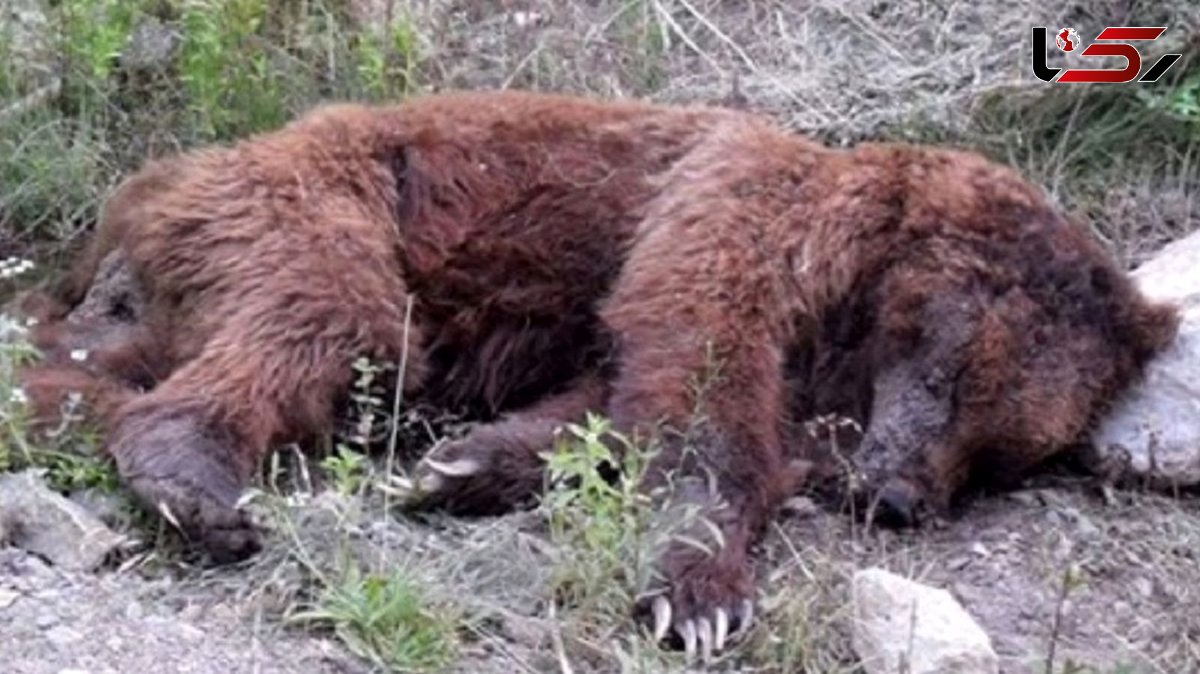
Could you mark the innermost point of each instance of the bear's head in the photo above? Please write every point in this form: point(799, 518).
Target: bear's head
point(992, 353)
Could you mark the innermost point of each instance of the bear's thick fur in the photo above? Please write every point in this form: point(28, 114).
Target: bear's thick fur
point(699, 275)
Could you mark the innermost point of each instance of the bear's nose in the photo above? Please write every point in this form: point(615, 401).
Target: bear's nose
point(897, 505)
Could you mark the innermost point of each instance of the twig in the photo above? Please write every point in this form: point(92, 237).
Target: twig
point(666, 18)
point(1068, 583)
point(525, 61)
point(737, 49)
point(397, 400)
point(560, 649)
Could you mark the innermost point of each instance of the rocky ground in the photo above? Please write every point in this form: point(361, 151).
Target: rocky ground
point(1104, 577)
point(55, 622)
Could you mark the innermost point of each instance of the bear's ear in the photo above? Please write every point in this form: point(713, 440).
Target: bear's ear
point(1151, 326)
point(1142, 326)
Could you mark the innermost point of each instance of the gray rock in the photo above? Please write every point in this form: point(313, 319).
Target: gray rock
point(904, 627)
point(1153, 432)
point(45, 523)
point(151, 45)
point(112, 509)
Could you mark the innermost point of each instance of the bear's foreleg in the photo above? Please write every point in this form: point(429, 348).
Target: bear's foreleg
point(499, 466)
point(701, 348)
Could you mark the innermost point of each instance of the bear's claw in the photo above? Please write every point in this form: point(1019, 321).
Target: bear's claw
point(459, 468)
point(702, 634)
point(484, 473)
point(430, 477)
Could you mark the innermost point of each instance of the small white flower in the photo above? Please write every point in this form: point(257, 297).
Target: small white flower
point(11, 330)
point(12, 267)
point(79, 355)
point(18, 396)
point(30, 322)
point(526, 19)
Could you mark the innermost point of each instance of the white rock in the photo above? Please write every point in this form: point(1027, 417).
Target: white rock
point(1153, 431)
point(904, 627)
point(42, 521)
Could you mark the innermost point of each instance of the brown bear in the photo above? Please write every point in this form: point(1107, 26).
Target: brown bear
point(701, 276)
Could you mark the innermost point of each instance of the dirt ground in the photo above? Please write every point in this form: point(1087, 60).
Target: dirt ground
point(1004, 556)
point(55, 622)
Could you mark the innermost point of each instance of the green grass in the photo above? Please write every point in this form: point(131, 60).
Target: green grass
point(385, 618)
point(79, 108)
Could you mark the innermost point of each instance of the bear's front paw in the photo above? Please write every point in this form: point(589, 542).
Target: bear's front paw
point(493, 470)
point(185, 474)
point(706, 598)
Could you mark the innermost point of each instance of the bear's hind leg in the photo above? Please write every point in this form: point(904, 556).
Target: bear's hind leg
point(270, 374)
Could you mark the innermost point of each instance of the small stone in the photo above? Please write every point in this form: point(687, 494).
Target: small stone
point(62, 635)
point(799, 506)
point(151, 45)
point(8, 597)
point(49, 525)
point(1029, 498)
point(190, 632)
point(1086, 528)
point(134, 611)
point(45, 621)
point(905, 627)
point(526, 19)
point(980, 550)
point(1144, 586)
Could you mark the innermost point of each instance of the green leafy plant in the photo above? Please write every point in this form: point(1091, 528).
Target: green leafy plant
point(387, 64)
point(601, 522)
point(347, 469)
point(231, 83)
point(385, 618)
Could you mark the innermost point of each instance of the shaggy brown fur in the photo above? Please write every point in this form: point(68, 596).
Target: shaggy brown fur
point(698, 274)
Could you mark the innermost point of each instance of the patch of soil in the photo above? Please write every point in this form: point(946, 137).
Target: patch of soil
point(1004, 556)
point(53, 622)
point(1134, 558)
